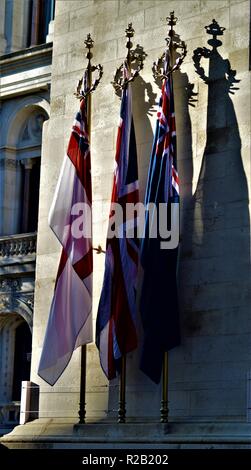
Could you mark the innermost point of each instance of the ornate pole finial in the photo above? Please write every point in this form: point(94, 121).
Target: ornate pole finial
point(164, 66)
point(89, 43)
point(171, 21)
point(129, 31)
point(85, 85)
point(129, 34)
point(137, 55)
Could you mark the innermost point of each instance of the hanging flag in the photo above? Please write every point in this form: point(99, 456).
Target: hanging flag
point(70, 319)
point(159, 303)
point(116, 321)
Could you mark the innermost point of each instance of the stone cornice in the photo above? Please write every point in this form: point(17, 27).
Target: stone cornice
point(24, 56)
point(26, 71)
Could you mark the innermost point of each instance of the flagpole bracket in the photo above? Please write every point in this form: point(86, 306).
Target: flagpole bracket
point(162, 67)
point(99, 250)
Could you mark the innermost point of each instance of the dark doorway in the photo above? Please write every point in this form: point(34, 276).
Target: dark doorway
point(22, 359)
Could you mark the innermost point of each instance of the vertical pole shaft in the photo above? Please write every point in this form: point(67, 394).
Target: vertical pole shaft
point(82, 404)
point(89, 101)
point(164, 401)
point(122, 386)
point(82, 411)
point(122, 392)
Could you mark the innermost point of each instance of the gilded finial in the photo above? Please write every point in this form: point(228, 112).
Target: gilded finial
point(89, 42)
point(89, 45)
point(171, 20)
point(129, 31)
point(164, 66)
point(136, 56)
point(129, 34)
point(85, 87)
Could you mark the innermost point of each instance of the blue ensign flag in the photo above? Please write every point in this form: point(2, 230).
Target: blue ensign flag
point(159, 299)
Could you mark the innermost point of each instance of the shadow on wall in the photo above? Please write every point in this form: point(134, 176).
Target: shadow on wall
point(215, 252)
point(214, 266)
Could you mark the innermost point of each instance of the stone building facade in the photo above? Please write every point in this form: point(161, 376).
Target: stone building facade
point(208, 373)
point(25, 74)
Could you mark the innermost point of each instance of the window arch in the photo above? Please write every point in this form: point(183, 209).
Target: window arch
point(29, 155)
point(22, 149)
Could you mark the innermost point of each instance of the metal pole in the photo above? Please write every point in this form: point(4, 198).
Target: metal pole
point(122, 392)
point(82, 404)
point(122, 388)
point(82, 411)
point(164, 401)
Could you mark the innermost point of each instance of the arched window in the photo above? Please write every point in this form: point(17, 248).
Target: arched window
point(20, 169)
point(28, 152)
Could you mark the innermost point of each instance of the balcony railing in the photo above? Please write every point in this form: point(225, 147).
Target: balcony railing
point(18, 245)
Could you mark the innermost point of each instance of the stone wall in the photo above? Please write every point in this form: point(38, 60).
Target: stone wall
point(208, 372)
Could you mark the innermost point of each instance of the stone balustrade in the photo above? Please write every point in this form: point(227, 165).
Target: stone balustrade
point(18, 245)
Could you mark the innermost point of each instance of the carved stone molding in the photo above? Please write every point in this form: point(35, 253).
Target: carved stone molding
point(9, 163)
point(6, 302)
point(10, 285)
point(17, 303)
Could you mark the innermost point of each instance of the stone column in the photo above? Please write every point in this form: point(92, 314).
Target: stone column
point(2, 28)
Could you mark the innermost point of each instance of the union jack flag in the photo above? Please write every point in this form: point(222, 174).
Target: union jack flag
point(70, 320)
point(115, 329)
point(159, 303)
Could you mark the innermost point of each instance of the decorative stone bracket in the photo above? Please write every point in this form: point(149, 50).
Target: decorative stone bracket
point(13, 300)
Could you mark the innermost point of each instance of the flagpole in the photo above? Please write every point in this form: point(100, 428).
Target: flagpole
point(120, 82)
point(122, 386)
point(86, 94)
point(164, 401)
point(164, 410)
point(82, 404)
